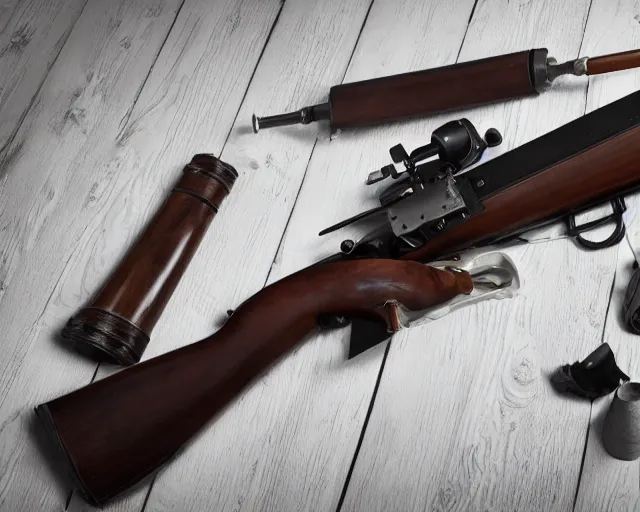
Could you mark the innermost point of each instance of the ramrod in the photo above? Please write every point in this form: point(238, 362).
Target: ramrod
point(116, 431)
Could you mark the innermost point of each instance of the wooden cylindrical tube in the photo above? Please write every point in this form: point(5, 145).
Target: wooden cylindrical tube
point(117, 325)
point(433, 90)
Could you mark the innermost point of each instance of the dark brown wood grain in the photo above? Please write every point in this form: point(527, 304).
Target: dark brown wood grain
point(120, 319)
point(600, 172)
point(143, 283)
point(118, 430)
point(432, 90)
point(613, 62)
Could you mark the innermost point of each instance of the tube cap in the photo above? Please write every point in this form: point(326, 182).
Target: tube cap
point(209, 165)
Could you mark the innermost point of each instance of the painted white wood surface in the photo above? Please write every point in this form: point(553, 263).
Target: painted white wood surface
point(465, 418)
point(328, 395)
point(608, 483)
point(44, 200)
point(154, 139)
point(245, 461)
point(197, 70)
point(32, 32)
point(293, 434)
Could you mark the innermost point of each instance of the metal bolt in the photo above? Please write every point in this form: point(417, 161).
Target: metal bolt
point(480, 183)
point(347, 246)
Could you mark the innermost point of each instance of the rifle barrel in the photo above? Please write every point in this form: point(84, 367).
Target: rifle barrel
point(613, 62)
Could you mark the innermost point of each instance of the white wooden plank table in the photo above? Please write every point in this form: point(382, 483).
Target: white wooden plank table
point(102, 102)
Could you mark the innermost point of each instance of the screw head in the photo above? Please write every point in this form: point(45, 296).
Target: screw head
point(341, 320)
point(480, 183)
point(347, 246)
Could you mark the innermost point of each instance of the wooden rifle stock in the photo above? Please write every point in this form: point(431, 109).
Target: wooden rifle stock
point(116, 431)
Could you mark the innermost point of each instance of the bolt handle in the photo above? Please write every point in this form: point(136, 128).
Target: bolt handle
point(460, 144)
point(456, 143)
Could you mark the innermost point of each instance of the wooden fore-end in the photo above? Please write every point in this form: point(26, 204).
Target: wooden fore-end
point(433, 90)
point(116, 431)
point(117, 325)
point(614, 62)
point(590, 160)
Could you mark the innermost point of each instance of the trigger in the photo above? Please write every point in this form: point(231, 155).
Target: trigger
point(366, 334)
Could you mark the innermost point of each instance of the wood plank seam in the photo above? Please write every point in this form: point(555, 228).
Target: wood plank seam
point(149, 101)
point(146, 498)
point(584, 455)
point(586, 95)
point(302, 165)
point(473, 10)
point(10, 139)
point(476, 461)
point(125, 119)
point(356, 452)
point(83, 76)
point(602, 339)
point(306, 170)
point(68, 502)
point(604, 325)
point(124, 123)
point(363, 431)
point(264, 47)
point(364, 22)
point(586, 90)
point(295, 202)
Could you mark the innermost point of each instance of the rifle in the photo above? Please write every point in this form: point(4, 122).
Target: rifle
point(116, 431)
point(431, 91)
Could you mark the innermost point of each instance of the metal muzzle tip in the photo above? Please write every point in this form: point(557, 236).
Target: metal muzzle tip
point(303, 116)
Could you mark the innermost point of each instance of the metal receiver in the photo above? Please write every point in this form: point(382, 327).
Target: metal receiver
point(426, 195)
